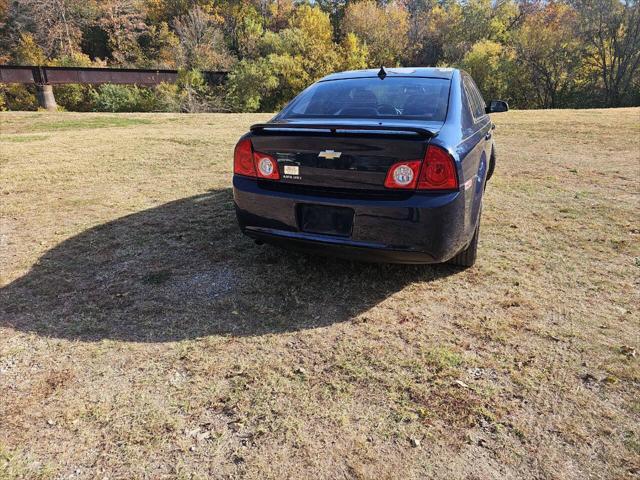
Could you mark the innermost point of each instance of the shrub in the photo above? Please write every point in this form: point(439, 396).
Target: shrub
point(249, 83)
point(168, 97)
point(73, 97)
point(124, 98)
point(18, 97)
point(195, 95)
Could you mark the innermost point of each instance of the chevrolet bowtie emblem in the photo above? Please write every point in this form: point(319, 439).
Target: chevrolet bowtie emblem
point(329, 154)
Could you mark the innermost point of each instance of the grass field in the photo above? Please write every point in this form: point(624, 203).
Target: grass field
point(141, 336)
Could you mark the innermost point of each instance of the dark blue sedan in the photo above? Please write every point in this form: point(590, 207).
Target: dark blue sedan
point(379, 165)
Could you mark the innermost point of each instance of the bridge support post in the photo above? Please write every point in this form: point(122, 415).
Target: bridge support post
point(46, 99)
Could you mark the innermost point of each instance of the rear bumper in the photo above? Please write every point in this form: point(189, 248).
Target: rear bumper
point(423, 228)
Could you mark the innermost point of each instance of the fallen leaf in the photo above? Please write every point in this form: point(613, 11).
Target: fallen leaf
point(628, 351)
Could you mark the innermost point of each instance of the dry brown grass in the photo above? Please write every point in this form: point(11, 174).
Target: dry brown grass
point(141, 336)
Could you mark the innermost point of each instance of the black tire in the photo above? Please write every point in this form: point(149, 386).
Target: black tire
point(492, 164)
point(467, 257)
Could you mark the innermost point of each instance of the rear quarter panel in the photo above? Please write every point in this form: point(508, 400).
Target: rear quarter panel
point(464, 137)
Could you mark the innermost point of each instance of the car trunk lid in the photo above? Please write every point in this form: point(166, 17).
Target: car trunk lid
point(346, 156)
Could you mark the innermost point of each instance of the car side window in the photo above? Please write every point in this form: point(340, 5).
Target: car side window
point(476, 103)
point(467, 94)
point(481, 103)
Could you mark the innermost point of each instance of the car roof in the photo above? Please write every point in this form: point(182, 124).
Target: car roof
point(431, 72)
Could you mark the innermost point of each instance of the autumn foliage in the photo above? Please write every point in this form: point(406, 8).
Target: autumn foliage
point(576, 53)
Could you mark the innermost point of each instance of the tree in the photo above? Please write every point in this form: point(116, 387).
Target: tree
point(27, 52)
point(202, 42)
point(249, 83)
point(55, 25)
point(5, 53)
point(486, 20)
point(354, 55)
point(611, 29)
point(124, 24)
point(311, 37)
point(300, 54)
point(547, 46)
point(382, 29)
point(335, 9)
point(442, 32)
point(485, 62)
point(434, 33)
point(160, 47)
point(290, 60)
point(245, 27)
point(279, 11)
point(158, 11)
point(534, 53)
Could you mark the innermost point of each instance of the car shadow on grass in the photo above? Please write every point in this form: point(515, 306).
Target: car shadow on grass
point(183, 270)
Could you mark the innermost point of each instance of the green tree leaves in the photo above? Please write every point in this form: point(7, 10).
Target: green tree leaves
point(289, 60)
point(569, 53)
point(382, 29)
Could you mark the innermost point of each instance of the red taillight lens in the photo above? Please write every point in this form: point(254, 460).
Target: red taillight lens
point(243, 159)
point(438, 170)
point(266, 166)
point(403, 175)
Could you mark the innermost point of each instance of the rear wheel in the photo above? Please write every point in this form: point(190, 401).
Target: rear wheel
point(467, 257)
point(492, 163)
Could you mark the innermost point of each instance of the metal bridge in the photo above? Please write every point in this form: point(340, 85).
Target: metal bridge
point(45, 77)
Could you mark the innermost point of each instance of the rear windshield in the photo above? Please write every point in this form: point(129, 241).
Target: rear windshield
point(393, 97)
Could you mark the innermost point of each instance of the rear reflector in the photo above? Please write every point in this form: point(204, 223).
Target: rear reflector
point(267, 166)
point(243, 159)
point(403, 175)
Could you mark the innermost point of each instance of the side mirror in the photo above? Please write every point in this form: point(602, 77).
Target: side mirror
point(497, 106)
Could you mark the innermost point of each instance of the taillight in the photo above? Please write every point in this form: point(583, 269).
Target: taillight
point(266, 166)
point(243, 159)
point(403, 175)
point(438, 170)
point(249, 163)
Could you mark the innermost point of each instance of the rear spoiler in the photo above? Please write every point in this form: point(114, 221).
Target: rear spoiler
point(341, 128)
